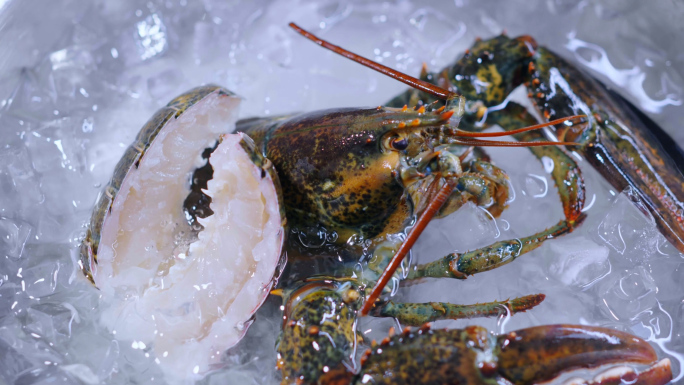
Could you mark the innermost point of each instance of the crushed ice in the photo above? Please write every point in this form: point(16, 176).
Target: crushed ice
point(75, 89)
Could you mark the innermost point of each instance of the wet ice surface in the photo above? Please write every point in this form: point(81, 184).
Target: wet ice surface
point(76, 89)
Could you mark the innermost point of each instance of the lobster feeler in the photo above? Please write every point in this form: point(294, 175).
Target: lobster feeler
point(442, 94)
point(406, 79)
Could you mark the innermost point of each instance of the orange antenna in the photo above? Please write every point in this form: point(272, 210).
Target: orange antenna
point(425, 218)
point(402, 77)
point(498, 143)
point(520, 130)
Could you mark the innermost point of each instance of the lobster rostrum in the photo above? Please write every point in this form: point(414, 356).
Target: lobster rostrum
point(364, 175)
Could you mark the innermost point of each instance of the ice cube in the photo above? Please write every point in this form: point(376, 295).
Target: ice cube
point(536, 186)
point(108, 364)
point(626, 294)
point(96, 350)
point(7, 291)
point(629, 228)
point(654, 325)
point(19, 184)
point(13, 237)
point(73, 58)
point(49, 373)
point(51, 322)
point(47, 274)
point(11, 362)
point(468, 228)
point(20, 352)
point(82, 372)
point(45, 153)
point(76, 91)
point(34, 98)
point(577, 261)
point(50, 228)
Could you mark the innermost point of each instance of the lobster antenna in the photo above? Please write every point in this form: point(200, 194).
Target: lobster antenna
point(402, 77)
point(520, 130)
point(499, 143)
point(437, 92)
point(433, 207)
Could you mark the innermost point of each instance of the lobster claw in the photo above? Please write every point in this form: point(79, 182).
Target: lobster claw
point(541, 353)
point(527, 356)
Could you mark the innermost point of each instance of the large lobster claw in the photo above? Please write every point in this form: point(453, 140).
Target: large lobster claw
point(541, 353)
point(527, 356)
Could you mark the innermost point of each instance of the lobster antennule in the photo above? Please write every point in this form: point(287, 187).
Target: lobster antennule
point(433, 207)
point(402, 77)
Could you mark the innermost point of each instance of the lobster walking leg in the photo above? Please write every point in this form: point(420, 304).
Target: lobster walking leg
point(461, 265)
point(416, 314)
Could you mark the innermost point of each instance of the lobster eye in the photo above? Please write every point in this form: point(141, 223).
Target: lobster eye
point(400, 144)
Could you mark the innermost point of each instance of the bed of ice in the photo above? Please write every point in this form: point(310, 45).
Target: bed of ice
point(78, 79)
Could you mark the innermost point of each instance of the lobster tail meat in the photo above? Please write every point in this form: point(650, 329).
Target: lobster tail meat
point(189, 291)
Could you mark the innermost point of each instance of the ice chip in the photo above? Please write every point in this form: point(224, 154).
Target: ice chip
point(41, 280)
point(626, 294)
point(475, 228)
point(577, 262)
point(82, 372)
point(89, 75)
point(33, 98)
point(6, 297)
point(629, 228)
point(536, 186)
point(73, 57)
point(11, 362)
point(108, 363)
point(47, 274)
point(13, 237)
point(20, 351)
point(50, 321)
point(47, 374)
